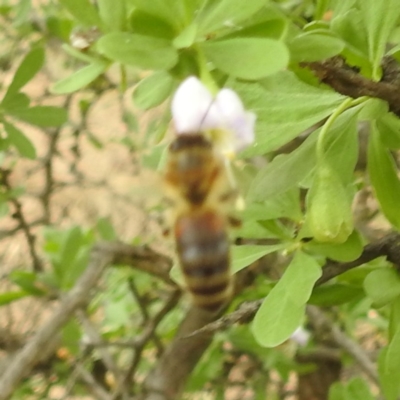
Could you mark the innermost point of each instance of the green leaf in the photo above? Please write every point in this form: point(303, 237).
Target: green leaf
point(42, 115)
point(26, 281)
point(313, 46)
point(379, 19)
point(80, 78)
point(273, 29)
point(358, 389)
point(259, 57)
point(20, 141)
point(389, 381)
point(387, 289)
point(71, 336)
point(394, 319)
point(186, 38)
point(28, 68)
point(349, 26)
point(282, 311)
point(285, 107)
point(9, 297)
point(106, 229)
point(350, 250)
point(286, 204)
point(242, 256)
point(383, 174)
point(113, 13)
point(392, 362)
point(171, 11)
point(15, 101)
point(153, 90)
point(335, 294)
point(341, 145)
point(337, 391)
point(388, 126)
point(83, 11)
point(220, 12)
point(149, 25)
point(140, 51)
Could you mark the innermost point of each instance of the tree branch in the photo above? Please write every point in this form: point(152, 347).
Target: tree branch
point(347, 80)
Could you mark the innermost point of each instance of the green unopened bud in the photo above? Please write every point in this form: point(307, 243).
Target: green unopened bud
point(329, 216)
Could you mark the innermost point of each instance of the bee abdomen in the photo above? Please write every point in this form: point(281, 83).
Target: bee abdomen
point(203, 250)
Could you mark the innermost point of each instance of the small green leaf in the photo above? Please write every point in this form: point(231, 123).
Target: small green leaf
point(171, 11)
point(387, 289)
point(312, 46)
point(358, 389)
point(349, 26)
point(254, 54)
point(335, 294)
point(350, 250)
point(83, 11)
point(242, 256)
point(26, 281)
point(389, 381)
point(15, 101)
point(284, 172)
point(337, 391)
point(383, 174)
point(20, 141)
point(106, 229)
point(113, 14)
point(379, 19)
point(9, 297)
point(394, 319)
point(222, 12)
point(42, 115)
point(80, 78)
point(388, 126)
point(141, 51)
point(148, 25)
point(282, 311)
point(392, 362)
point(186, 38)
point(285, 107)
point(28, 68)
point(153, 90)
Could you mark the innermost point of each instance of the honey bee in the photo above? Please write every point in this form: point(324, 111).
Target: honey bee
point(197, 186)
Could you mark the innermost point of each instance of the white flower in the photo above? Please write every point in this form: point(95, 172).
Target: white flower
point(223, 118)
point(301, 336)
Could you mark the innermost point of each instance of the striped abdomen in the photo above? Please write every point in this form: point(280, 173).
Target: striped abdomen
point(203, 250)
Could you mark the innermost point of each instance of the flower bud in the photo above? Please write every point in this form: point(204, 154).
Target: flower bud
point(329, 216)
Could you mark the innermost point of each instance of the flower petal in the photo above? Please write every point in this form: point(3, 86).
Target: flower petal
point(190, 105)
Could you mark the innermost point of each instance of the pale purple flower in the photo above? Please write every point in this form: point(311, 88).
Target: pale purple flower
point(301, 336)
point(194, 109)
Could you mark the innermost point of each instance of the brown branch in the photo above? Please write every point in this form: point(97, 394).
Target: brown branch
point(388, 246)
point(345, 342)
point(347, 80)
point(142, 258)
point(22, 222)
point(167, 379)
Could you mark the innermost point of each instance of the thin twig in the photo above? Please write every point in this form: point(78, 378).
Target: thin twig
point(142, 340)
point(345, 342)
point(22, 222)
